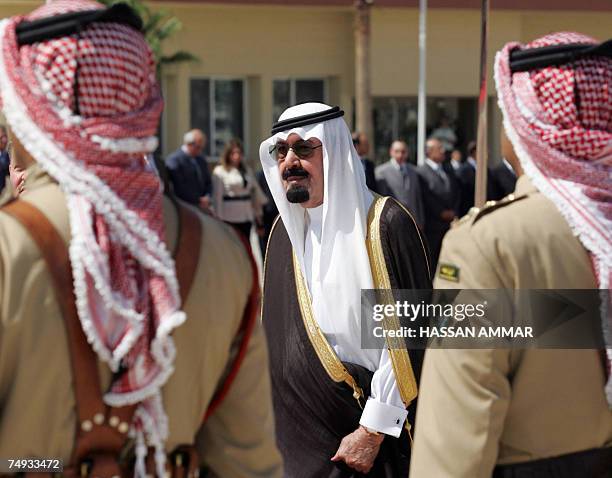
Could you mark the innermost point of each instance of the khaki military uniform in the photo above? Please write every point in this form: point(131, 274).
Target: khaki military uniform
point(6, 195)
point(479, 408)
point(37, 404)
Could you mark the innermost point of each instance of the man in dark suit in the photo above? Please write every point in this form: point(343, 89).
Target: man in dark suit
point(398, 178)
point(4, 157)
point(466, 176)
point(502, 181)
point(188, 171)
point(440, 196)
point(362, 145)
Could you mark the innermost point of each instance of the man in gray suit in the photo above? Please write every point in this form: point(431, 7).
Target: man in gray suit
point(398, 178)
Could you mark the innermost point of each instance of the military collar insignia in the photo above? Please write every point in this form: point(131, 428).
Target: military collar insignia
point(448, 272)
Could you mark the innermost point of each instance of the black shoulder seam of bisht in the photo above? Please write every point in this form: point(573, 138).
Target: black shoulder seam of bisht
point(394, 205)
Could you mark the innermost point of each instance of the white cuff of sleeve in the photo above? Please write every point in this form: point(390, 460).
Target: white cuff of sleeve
point(383, 418)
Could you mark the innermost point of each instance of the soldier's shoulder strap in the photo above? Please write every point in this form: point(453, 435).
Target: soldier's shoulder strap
point(186, 258)
point(240, 343)
point(475, 214)
point(492, 206)
point(187, 251)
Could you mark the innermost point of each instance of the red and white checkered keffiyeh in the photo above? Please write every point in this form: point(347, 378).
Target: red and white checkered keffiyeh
point(559, 120)
point(124, 277)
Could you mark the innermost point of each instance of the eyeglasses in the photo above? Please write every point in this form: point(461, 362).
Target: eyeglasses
point(302, 149)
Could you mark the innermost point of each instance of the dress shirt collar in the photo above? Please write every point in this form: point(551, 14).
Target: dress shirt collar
point(313, 220)
point(315, 216)
point(186, 151)
point(432, 164)
point(395, 164)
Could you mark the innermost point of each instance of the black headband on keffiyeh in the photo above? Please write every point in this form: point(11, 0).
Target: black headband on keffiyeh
point(555, 55)
point(66, 24)
point(307, 119)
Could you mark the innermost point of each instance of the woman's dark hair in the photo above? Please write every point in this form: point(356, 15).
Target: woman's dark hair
point(227, 152)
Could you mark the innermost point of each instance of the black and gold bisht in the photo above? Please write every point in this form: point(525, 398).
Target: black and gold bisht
point(317, 398)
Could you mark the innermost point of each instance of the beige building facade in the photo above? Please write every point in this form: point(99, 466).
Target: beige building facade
point(257, 57)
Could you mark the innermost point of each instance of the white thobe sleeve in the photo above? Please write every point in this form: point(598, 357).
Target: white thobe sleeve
point(384, 411)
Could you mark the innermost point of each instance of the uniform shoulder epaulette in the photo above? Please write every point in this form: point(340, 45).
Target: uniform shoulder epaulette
point(491, 206)
point(467, 218)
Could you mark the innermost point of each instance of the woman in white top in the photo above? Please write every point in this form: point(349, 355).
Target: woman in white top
point(238, 200)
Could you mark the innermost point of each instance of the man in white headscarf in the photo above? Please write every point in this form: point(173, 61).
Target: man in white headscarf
point(340, 409)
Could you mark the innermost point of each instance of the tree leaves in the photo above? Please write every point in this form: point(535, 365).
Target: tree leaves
point(158, 26)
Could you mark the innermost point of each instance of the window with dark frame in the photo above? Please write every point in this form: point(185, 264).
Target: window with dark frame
point(396, 118)
point(217, 108)
point(289, 92)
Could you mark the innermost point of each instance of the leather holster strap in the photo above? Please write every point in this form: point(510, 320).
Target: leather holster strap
point(242, 338)
point(188, 247)
point(187, 255)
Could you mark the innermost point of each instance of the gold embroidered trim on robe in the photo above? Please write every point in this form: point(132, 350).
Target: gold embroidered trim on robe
point(402, 367)
point(327, 355)
point(404, 374)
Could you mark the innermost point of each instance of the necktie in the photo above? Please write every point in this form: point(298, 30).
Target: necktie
point(444, 178)
point(198, 173)
point(405, 174)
